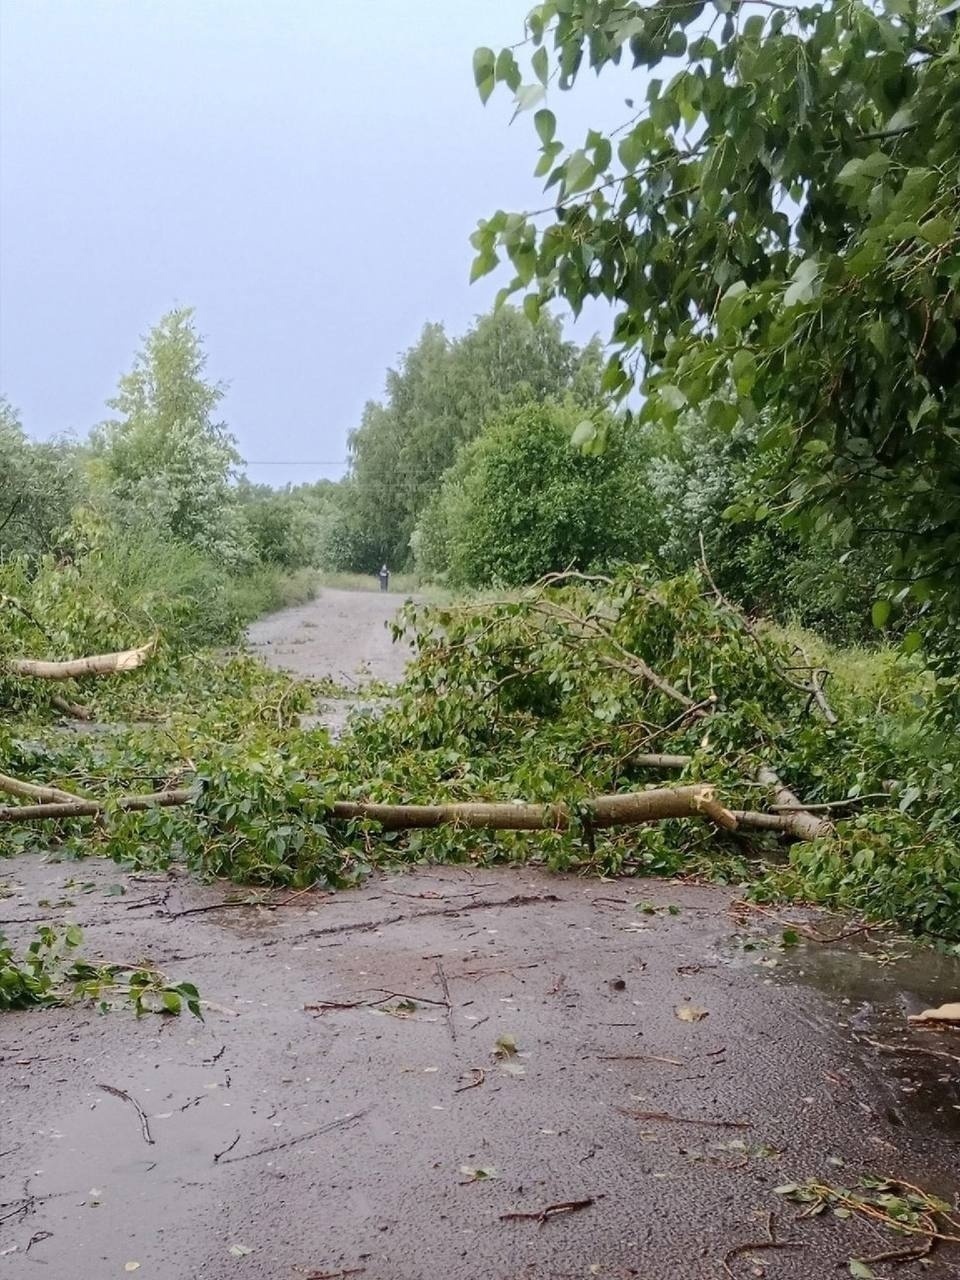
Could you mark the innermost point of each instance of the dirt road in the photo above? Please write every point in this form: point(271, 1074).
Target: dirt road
point(392, 1083)
point(341, 634)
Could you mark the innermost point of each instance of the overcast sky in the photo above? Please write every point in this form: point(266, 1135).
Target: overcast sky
point(305, 173)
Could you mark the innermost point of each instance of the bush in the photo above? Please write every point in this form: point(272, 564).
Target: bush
point(522, 502)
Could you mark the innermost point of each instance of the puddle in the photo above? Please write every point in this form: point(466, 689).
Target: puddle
point(874, 984)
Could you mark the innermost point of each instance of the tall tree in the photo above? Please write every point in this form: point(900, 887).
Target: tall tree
point(439, 398)
point(165, 459)
point(781, 212)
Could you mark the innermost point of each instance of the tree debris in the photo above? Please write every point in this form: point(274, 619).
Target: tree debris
point(142, 1115)
point(341, 1122)
point(550, 1211)
point(665, 1116)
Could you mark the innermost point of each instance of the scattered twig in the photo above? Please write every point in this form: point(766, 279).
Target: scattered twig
point(479, 1075)
point(910, 1048)
point(365, 926)
point(445, 988)
point(218, 1154)
point(144, 1122)
point(750, 1246)
point(336, 1275)
point(208, 1062)
point(490, 973)
point(909, 1254)
point(550, 1211)
point(405, 995)
point(328, 1006)
point(212, 906)
point(667, 1117)
point(341, 1122)
point(479, 1022)
point(641, 1057)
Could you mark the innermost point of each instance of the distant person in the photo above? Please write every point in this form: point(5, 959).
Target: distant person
point(384, 576)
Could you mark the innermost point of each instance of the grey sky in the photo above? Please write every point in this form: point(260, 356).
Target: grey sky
point(306, 173)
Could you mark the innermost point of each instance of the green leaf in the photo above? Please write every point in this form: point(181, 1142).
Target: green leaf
point(911, 642)
point(937, 231)
point(545, 123)
point(880, 612)
point(580, 172)
point(672, 396)
point(790, 937)
point(483, 264)
point(861, 1270)
point(506, 70)
point(541, 65)
point(73, 935)
point(631, 149)
point(744, 370)
point(583, 434)
point(850, 173)
point(875, 165)
point(802, 287)
point(171, 1001)
point(531, 307)
point(484, 64)
point(525, 262)
point(730, 310)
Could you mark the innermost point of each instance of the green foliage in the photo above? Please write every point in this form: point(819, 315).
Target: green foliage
point(541, 696)
point(50, 972)
point(521, 502)
point(444, 392)
point(703, 483)
point(288, 527)
point(164, 461)
point(781, 213)
point(39, 486)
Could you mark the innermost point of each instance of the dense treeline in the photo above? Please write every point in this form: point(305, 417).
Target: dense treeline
point(491, 461)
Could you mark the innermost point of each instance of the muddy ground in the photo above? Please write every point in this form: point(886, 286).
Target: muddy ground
point(334, 1112)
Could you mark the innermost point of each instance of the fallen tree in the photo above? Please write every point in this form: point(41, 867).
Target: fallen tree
point(634, 808)
point(574, 696)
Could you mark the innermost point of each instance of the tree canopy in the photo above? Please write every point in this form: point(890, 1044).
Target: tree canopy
point(780, 214)
point(438, 399)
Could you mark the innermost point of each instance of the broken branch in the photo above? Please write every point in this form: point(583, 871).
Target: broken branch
point(29, 791)
point(92, 808)
point(99, 664)
point(69, 708)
